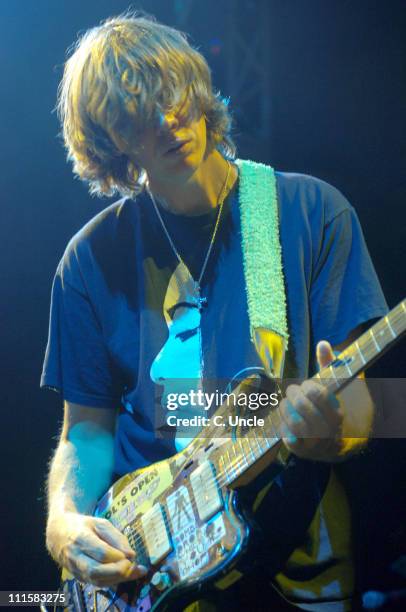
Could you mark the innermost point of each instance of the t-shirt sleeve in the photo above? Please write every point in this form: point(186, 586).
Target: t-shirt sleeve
point(77, 363)
point(345, 290)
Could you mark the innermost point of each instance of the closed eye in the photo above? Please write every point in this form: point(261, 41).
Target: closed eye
point(185, 335)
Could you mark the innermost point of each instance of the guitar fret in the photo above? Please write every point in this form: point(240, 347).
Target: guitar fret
point(257, 441)
point(224, 469)
point(230, 463)
point(244, 451)
point(238, 465)
point(255, 448)
point(371, 333)
point(360, 353)
point(237, 460)
point(390, 326)
point(250, 450)
point(334, 375)
point(241, 442)
point(240, 451)
point(264, 444)
point(253, 453)
point(347, 365)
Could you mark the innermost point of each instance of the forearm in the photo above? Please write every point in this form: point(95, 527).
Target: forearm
point(90, 548)
point(80, 471)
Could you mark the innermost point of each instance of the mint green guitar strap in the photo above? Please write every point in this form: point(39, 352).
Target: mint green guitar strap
point(262, 259)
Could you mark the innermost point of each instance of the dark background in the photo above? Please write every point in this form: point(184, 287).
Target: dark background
point(337, 77)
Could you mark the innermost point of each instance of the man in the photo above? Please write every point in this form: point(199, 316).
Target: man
point(151, 294)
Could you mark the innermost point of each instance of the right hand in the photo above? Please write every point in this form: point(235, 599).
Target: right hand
point(92, 549)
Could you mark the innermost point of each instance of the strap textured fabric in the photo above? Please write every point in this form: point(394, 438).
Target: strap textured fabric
point(262, 255)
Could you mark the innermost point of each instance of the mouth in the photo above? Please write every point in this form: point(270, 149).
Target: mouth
point(176, 146)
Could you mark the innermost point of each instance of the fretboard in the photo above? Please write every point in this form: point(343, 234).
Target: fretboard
point(241, 453)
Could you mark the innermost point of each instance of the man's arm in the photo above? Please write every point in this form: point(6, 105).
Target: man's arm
point(92, 549)
point(322, 427)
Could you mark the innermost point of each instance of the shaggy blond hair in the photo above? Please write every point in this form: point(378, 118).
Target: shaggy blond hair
point(123, 75)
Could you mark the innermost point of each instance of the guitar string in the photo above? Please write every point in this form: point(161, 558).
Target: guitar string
point(241, 461)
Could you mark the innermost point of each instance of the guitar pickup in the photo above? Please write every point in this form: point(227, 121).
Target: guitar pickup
point(206, 491)
point(156, 536)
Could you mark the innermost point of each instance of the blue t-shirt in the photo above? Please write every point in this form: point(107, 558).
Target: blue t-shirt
point(122, 335)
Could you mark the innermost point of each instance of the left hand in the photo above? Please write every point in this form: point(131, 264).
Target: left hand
point(312, 417)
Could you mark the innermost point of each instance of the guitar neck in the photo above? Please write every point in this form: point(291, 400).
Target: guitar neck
point(238, 456)
point(362, 353)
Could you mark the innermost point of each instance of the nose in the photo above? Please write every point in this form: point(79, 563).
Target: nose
point(164, 366)
point(168, 121)
point(156, 369)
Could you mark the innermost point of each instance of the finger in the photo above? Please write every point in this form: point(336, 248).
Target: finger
point(292, 420)
point(292, 442)
point(313, 423)
point(110, 534)
point(98, 549)
point(113, 573)
point(327, 404)
point(324, 353)
point(106, 574)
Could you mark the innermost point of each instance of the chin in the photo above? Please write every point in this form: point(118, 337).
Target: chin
point(187, 164)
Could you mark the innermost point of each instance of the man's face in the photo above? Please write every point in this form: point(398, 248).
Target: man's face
point(173, 150)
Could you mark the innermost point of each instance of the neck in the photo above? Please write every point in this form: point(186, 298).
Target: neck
point(199, 193)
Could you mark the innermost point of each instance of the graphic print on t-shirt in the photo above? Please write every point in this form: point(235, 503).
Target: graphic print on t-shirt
point(178, 367)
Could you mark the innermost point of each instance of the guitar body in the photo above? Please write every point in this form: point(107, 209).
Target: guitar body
point(183, 525)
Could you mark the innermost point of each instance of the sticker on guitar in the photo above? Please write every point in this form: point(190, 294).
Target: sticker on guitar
point(191, 543)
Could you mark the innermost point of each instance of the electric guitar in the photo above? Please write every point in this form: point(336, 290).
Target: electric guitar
point(181, 515)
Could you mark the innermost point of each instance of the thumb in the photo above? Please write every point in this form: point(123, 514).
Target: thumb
point(324, 353)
